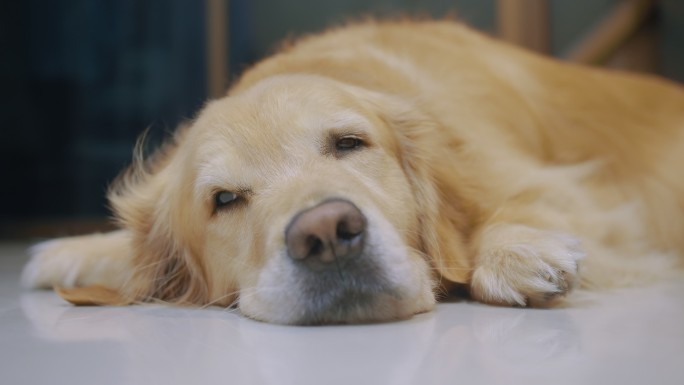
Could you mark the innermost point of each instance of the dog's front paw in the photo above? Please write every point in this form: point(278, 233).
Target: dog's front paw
point(520, 265)
point(95, 259)
point(52, 263)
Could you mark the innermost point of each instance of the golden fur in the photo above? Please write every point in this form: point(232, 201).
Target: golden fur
point(482, 164)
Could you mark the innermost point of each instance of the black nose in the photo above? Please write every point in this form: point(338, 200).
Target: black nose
point(332, 232)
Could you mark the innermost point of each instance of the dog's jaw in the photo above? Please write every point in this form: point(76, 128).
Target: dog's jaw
point(388, 282)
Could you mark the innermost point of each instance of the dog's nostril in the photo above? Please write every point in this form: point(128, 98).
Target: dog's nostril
point(350, 227)
point(315, 246)
point(331, 231)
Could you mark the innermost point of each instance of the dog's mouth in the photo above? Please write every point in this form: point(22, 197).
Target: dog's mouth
point(338, 268)
point(344, 295)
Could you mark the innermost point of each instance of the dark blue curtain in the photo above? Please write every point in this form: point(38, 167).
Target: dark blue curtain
point(81, 80)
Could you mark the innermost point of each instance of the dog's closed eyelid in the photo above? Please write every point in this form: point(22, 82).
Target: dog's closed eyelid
point(348, 143)
point(340, 144)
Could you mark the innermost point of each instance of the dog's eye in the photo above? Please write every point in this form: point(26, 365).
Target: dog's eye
point(224, 198)
point(348, 143)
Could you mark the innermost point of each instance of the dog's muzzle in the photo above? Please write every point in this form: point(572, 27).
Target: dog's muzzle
point(337, 274)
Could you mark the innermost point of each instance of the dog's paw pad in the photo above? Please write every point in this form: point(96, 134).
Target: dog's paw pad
point(521, 266)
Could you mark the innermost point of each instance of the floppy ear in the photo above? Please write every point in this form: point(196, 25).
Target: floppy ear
point(92, 295)
point(154, 201)
point(423, 147)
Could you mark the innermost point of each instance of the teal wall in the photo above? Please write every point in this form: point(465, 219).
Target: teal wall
point(570, 20)
point(265, 23)
point(672, 34)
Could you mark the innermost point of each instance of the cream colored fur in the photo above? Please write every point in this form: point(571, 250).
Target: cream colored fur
point(485, 165)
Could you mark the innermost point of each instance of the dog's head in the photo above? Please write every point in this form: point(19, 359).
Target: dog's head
point(301, 199)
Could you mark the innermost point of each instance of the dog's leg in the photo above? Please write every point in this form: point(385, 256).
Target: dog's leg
point(521, 265)
point(89, 260)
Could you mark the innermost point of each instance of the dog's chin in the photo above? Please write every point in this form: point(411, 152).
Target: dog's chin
point(351, 308)
point(363, 293)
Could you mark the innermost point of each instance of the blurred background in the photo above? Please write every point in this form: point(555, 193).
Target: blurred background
point(81, 79)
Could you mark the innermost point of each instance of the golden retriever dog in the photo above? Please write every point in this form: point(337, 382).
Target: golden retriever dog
point(358, 175)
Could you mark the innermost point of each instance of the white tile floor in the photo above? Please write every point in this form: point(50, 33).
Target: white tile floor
point(633, 336)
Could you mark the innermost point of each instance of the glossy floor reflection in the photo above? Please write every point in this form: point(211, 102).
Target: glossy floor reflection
point(631, 336)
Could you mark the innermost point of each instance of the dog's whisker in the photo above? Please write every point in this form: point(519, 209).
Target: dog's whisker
point(221, 298)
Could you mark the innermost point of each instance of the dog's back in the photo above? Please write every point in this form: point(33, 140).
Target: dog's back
point(537, 126)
